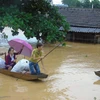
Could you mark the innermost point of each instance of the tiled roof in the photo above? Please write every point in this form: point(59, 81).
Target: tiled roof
point(81, 17)
point(85, 30)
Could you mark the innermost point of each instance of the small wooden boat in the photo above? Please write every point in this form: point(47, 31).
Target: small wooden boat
point(97, 73)
point(27, 77)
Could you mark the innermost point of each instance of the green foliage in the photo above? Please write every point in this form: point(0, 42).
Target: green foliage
point(34, 17)
point(71, 3)
point(79, 4)
point(64, 44)
point(96, 3)
point(15, 19)
point(87, 4)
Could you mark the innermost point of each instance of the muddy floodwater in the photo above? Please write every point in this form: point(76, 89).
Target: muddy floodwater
point(71, 76)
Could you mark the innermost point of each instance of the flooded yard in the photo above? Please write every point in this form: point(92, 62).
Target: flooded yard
point(71, 76)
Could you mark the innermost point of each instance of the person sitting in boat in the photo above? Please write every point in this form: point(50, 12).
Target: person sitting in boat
point(36, 56)
point(21, 66)
point(10, 59)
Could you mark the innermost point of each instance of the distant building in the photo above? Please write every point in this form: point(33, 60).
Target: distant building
point(84, 24)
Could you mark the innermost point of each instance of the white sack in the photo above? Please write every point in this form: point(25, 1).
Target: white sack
point(21, 66)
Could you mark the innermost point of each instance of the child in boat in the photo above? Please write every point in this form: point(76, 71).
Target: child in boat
point(35, 57)
point(22, 66)
point(10, 59)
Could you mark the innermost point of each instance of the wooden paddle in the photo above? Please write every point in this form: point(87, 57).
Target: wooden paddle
point(49, 52)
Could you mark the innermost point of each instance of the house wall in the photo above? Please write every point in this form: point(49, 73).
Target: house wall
point(97, 38)
point(83, 37)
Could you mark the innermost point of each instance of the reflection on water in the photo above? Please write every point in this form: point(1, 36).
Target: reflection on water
point(71, 76)
point(20, 88)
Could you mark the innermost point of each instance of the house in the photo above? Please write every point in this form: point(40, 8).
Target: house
point(84, 24)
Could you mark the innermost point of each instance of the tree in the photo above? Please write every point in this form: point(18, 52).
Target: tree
point(79, 4)
point(96, 3)
point(33, 17)
point(87, 4)
point(72, 3)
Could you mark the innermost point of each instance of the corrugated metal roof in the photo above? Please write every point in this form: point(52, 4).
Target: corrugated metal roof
point(84, 30)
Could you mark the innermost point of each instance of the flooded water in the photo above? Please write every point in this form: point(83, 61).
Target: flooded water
point(71, 76)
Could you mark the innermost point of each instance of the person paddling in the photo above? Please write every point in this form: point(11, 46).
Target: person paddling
point(37, 55)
